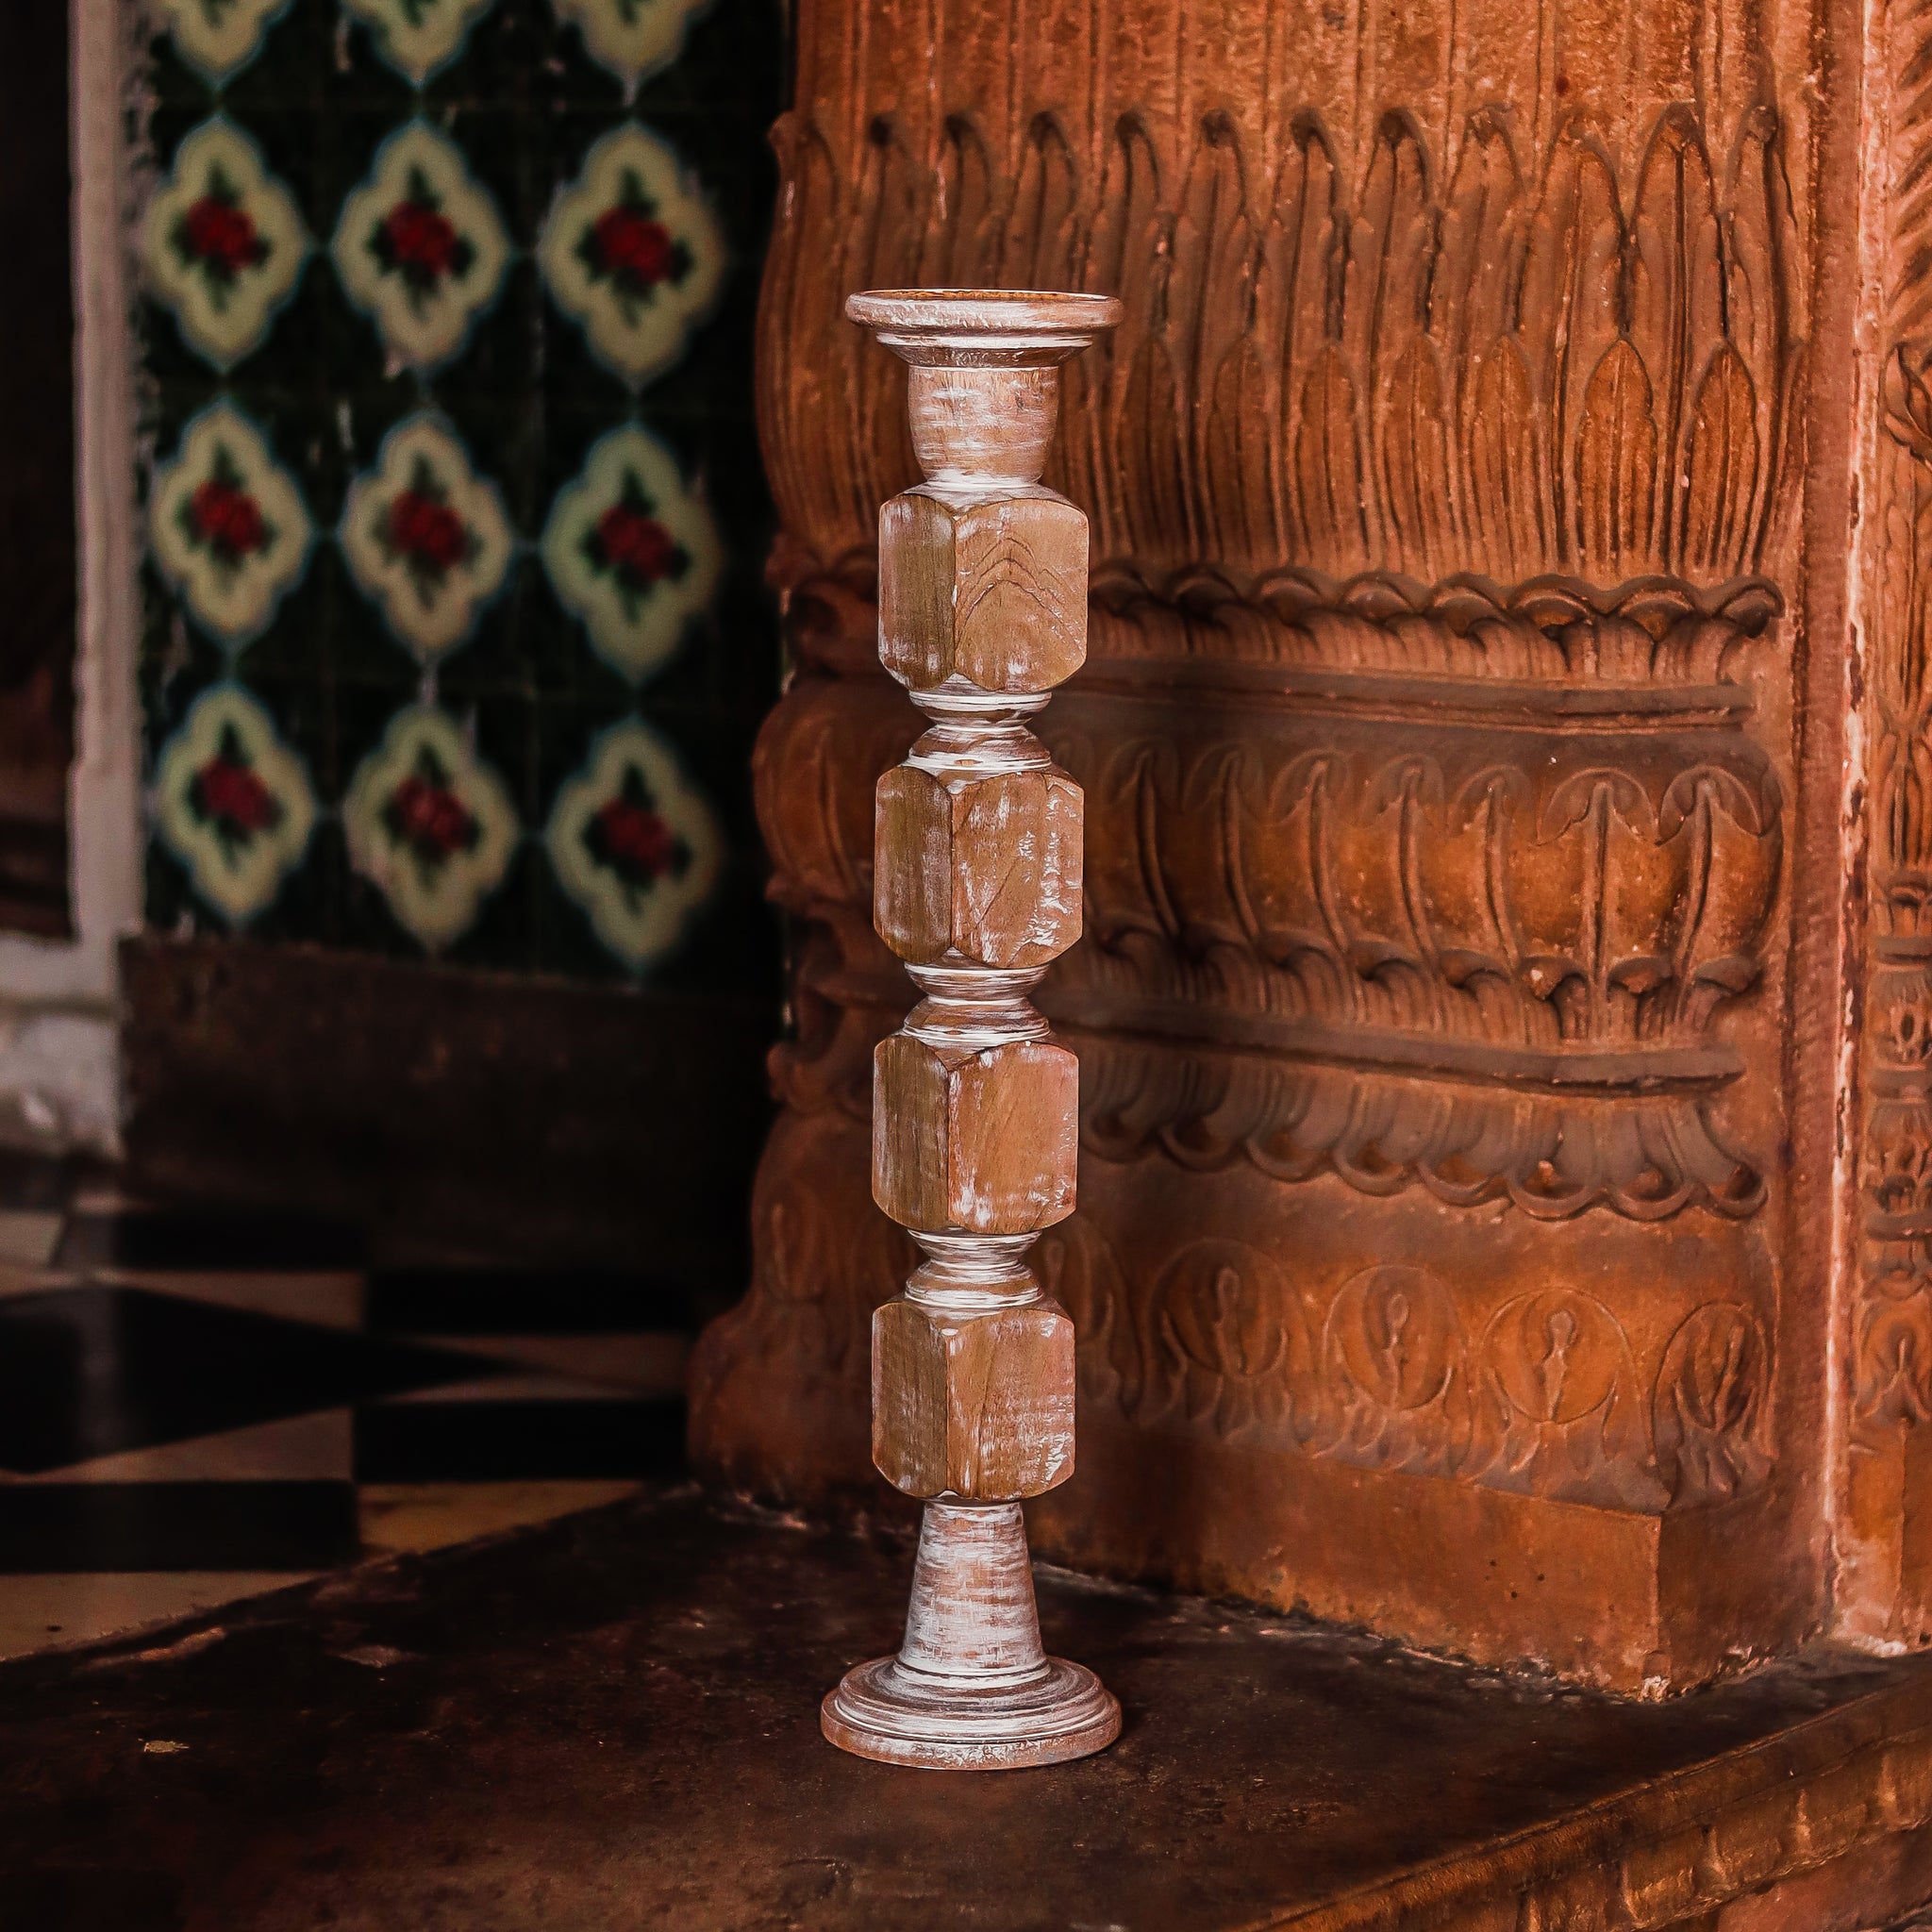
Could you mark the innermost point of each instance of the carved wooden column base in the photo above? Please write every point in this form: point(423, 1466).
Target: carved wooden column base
point(971, 1688)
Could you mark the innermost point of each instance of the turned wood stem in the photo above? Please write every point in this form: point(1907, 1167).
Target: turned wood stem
point(972, 1613)
point(982, 612)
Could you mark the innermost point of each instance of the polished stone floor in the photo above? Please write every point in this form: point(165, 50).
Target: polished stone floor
point(196, 1406)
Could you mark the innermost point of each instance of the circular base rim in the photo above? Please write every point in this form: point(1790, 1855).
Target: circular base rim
point(882, 1711)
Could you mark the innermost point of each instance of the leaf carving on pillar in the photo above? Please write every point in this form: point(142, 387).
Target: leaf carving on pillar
point(1616, 466)
point(1433, 731)
point(1041, 243)
point(1580, 374)
point(1565, 1413)
point(1508, 490)
point(1707, 1411)
point(1397, 1373)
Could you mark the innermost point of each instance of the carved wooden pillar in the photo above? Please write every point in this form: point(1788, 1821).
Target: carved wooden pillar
point(976, 1111)
point(1480, 1070)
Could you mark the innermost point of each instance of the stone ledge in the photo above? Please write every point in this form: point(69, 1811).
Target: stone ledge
point(614, 1721)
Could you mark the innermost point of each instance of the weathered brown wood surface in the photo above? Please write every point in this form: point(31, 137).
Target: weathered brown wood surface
point(599, 1726)
point(976, 1111)
point(1504, 1208)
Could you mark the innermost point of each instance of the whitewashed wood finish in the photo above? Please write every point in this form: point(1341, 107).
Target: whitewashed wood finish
point(971, 1689)
point(982, 611)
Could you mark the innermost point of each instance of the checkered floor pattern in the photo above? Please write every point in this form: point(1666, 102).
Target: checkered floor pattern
point(199, 1406)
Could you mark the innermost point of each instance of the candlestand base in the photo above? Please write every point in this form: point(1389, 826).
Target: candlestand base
point(971, 1688)
point(896, 1715)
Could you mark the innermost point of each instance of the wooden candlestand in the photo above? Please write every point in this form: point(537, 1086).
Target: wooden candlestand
point(982, 612)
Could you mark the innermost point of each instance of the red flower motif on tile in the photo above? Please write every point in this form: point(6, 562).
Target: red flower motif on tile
point(422, 529)
point(630, 248)
point(428, 531)
point(629, 543)
point(430, 825)
point(628, 835)
point(636, 545)
point(227, 518)
point(634, 844)
point(419, 238)
point(627, 242)
point(232, 803)
point(226, 795)
point(629, 548)
point(229, 529)
point(223, 517)
point(426, 537)
point(420, 243)
point(419, 246)
point(632, 251)
point(230, 792)
point(425, 814)
point(217, 237)
point(221, 235)
point(221, 243)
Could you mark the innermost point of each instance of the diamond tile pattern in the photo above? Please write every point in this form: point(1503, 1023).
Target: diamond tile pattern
point(420, 248)
point(224, 244)
point(196, 1406)
point(232, 803)
point(518, 97)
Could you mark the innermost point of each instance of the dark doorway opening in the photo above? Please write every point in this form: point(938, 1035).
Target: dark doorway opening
point(38, 543)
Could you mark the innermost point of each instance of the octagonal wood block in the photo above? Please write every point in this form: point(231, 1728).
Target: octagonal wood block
point(985, 869)
point(994, 592)
point(985, 1142)
point(979, 1407)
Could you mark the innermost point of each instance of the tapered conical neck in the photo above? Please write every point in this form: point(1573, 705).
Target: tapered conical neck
point(972, 1614)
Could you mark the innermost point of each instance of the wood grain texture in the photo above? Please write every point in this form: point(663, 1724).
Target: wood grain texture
point(979, 1407)
point(985, 1141)
point(986, 869)
point(971, 1689)
point(980, 589)
point(975, 1113)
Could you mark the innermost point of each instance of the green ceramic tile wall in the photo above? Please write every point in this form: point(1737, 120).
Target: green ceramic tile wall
point(523, 102)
